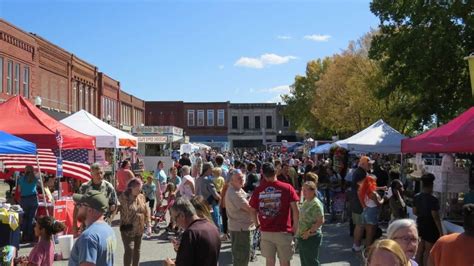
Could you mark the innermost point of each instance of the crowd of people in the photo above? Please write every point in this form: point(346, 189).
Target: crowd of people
point(277, 202)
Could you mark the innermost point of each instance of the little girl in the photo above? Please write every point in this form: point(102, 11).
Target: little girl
point(43, 252)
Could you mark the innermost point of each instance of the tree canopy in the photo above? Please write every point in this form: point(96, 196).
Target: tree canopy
point(420, 49)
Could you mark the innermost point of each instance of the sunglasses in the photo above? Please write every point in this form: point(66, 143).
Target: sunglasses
point(81, 204)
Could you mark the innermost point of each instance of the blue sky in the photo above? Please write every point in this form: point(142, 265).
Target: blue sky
point(238, 51)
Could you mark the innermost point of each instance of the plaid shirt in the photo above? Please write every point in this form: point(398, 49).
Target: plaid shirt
point(104, 187)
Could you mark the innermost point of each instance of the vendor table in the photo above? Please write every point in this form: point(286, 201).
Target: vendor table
point(10, 236)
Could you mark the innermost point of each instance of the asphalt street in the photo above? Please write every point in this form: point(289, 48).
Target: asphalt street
point(335, 250)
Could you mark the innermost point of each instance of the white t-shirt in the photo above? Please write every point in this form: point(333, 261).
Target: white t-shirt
point(184, 189)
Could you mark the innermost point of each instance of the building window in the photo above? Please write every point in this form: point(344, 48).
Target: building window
point(235, 124)
point(246, 122)
point(220, 118)
point(200, 118)
point(16, 81)
point(286, 123)
point(257, 122)
point(74, 97)
point(81, 96)
point(269, 122)
point(1, 74)
point(86, 98)
point(26, 82)
point(190, 118)
point(9, 77)
point(210, 118)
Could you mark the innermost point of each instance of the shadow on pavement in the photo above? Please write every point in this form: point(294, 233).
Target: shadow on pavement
point(152, 263)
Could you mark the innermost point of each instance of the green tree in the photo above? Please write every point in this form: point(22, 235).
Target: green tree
point(299, 100)
point(420, 48)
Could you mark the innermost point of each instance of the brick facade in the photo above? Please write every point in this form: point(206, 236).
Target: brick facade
point(32, 66)
point(18, 62)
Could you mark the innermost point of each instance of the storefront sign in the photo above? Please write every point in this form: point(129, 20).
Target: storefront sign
point(153, 139)
point(164, 130)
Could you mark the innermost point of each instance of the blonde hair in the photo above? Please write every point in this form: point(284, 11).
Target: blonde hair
point(310, 176)
point(390, 246)
point(310, 185)
point(216, 171)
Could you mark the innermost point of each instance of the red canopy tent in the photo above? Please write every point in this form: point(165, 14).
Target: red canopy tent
point(454, 137)
point(21, 118)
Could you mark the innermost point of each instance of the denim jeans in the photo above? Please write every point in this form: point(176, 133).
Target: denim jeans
point(216, 217)
point(29, 205)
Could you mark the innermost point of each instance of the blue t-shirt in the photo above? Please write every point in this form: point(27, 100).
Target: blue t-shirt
point(160, 176)
point(27, 189)
point(96, 245)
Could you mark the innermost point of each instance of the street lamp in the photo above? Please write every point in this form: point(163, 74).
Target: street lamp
point(38, 101)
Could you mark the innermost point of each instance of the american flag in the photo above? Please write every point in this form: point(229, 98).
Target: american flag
point(59, 139)
point(76, 169)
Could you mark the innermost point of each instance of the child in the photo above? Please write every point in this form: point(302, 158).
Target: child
point(218, 179)
point(149, 189)
point(43, 252)
point(170, 199)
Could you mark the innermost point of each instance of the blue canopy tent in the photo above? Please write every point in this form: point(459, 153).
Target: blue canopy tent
point(321, 149)
point(10, 144)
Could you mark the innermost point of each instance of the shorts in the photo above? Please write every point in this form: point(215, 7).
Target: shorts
point(371, 215)
point(280, 243)
point(357, 219)
point(427, 229)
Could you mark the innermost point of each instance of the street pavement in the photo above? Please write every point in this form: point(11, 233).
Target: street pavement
point(335, 250)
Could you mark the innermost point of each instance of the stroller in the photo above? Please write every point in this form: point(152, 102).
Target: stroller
point(159, 215)
point(339, 206)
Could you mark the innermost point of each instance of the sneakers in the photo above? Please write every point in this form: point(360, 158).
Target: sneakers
point(357, 248)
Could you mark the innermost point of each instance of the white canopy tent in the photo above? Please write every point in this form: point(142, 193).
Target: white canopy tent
point(379, 138)
point(106, 135)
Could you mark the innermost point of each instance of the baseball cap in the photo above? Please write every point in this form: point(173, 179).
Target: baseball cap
point(94, 199)
point(365, 159)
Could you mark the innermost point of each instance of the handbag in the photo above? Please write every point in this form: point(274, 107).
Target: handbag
point(126, 227)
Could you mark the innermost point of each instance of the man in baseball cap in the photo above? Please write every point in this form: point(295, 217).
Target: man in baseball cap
point(97, 244)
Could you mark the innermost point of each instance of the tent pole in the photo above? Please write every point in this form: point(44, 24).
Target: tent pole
point(42, 185)
point(402, 176)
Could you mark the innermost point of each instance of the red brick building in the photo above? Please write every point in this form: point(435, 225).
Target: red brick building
point(32, 66)
point(202, 122)
point(18, 62)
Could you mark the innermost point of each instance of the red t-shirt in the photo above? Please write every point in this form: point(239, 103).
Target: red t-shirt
point(272, 202)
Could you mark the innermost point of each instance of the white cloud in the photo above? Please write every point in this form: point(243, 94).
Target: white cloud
point(263, 60)
point(317, 37)
point(284, 37)
point(221, 67)
point(249, 62)
point(274, 59)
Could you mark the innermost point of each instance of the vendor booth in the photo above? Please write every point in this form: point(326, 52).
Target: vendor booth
point(10, 215)
point(377, 138)
point(27, 121)
point(453, 171)
point(108, 139)
point(157, 143)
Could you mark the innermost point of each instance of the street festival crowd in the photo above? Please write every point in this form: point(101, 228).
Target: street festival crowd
point(271, 201)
